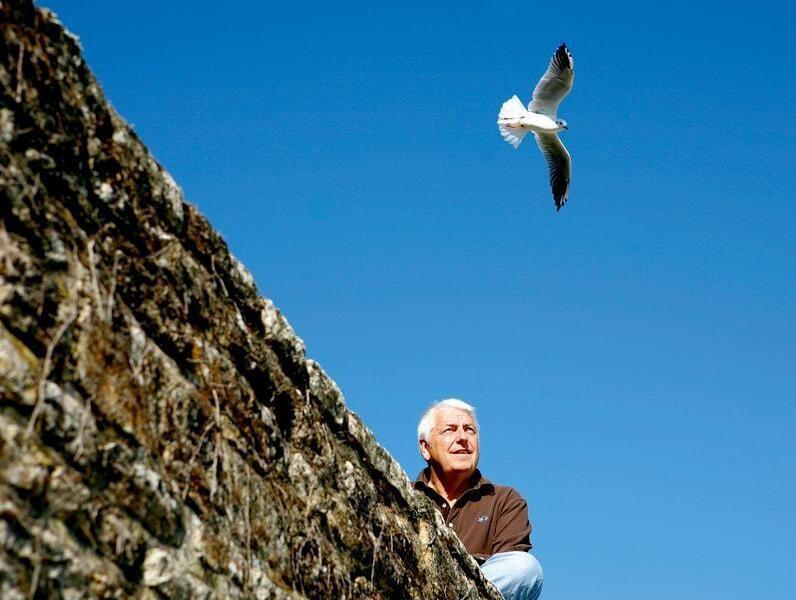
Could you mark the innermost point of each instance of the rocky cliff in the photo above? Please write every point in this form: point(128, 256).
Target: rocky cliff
point(162, 434)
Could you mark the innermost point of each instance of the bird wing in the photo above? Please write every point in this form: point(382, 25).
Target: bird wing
point(559, 165)
point(555, 84)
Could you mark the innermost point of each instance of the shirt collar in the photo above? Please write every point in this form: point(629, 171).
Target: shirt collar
point(477, 483)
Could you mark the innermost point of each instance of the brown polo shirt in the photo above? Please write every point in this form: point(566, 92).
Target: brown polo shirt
point(488, 518)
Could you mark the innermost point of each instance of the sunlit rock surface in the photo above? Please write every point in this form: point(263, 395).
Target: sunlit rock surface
point(162, 434)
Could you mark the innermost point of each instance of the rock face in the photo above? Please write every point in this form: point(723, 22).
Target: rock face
point(162, 434)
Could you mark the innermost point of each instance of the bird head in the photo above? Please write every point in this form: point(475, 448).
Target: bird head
point(562, 124)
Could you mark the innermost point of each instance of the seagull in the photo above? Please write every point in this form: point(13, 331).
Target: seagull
point(514, 121)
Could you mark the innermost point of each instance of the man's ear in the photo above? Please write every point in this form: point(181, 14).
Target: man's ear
point(424, 450)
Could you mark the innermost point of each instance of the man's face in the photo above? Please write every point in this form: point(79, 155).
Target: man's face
point(453, 445)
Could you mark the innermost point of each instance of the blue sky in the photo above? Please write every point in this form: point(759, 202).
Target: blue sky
point(631, 357)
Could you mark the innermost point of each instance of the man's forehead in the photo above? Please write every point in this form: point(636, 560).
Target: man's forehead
point(452, 415)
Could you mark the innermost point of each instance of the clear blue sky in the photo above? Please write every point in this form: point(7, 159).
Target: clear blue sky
point(632, 357)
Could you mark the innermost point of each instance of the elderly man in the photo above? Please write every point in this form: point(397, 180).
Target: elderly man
point(491, 520)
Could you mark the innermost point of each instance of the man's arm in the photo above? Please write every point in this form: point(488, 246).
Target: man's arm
point(513, 529)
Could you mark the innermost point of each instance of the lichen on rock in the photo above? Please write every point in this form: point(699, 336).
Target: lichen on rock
point(162, 433)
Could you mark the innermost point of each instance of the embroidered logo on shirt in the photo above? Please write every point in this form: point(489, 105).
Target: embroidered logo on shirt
point(482, 518)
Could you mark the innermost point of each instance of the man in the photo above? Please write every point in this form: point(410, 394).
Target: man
point(490, 520)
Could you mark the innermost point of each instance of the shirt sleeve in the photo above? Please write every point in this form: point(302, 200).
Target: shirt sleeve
point(513, 529)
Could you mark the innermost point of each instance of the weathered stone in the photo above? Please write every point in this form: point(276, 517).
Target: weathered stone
point(162, 434)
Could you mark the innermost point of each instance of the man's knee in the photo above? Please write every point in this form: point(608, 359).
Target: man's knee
point(528, 569)
point(516, 574)
point(530, 565)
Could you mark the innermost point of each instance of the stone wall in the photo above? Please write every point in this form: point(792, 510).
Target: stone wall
point(162, 434)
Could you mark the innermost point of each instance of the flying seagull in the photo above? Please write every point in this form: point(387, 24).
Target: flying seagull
point(514, 121)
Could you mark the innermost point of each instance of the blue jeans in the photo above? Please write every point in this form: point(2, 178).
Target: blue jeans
point(518, 575)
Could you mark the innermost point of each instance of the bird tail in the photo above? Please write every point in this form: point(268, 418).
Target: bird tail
point(510, 114)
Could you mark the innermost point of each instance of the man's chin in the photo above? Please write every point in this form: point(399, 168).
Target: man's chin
point(461, 466)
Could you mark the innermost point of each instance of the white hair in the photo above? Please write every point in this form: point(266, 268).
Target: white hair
point(427, 420)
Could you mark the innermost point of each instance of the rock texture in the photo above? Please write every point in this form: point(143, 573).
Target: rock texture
point(162, 434)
